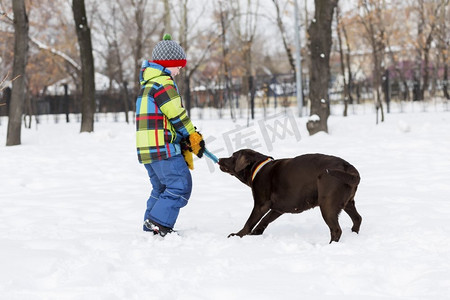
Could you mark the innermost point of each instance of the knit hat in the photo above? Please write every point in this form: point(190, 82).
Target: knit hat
point(168, 53)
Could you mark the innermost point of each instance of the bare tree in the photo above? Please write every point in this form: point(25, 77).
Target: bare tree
point(167, 17)
point(320, 47)
point(87, 66)
point(6, 40)
point(427, 26)
point(397, 35)
point(139, 28)
point(51, 42)
point(221, 51)
point(282, 29)
point(226, 15)
point(349, 66)
point(21, 28)
point(196, 42)
point(183, 34)
point(246, 30)
point(212, 38)
point(443, 44)
point(341, 27)
point(139, 39)
point(371, 20)
point(114, 57)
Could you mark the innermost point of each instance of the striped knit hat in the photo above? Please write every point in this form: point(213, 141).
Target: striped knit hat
point(168, 53)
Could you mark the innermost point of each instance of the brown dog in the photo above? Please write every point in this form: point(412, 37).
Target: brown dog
point(294, 185)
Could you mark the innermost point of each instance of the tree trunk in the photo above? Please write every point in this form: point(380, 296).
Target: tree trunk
point(445, 85)
point(349, 69)
point(187, 93)
point(426, 69)
point(399, 72)
point(87, 66)
point(376, 36)
point(248, 78)
point(377, 85)
point(443, 48)
point(122, 81)
point(126, 99)
point(19, 65)
point(167, 19)
point(225, 51)
point(66, 101)
point(28, 108)
point(139, 7)
point(341, 58)
point(280, 25)
point(184, 78)
point(320, 47)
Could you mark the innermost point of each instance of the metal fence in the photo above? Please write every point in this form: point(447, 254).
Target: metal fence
point(273, 90)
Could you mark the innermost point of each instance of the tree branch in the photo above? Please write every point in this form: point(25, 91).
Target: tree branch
point(55, 52)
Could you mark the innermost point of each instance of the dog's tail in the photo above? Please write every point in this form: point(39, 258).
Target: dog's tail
point(352, 179)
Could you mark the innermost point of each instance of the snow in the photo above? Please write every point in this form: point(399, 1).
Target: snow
point(72, 207)
point(314, 118)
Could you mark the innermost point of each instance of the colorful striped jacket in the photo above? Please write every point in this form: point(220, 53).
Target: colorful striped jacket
point(161, 120)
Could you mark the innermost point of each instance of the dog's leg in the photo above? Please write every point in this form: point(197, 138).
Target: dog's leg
point(331, 218)
point(331, 197)
point(350, 209)
point(257, 213)
point(269, 218)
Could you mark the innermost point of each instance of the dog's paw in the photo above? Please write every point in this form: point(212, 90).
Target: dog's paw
point(236, 234)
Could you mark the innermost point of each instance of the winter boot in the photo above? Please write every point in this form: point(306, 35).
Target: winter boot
point(156, 228)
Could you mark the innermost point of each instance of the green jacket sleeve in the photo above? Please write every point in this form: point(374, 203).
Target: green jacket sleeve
point(169, 102)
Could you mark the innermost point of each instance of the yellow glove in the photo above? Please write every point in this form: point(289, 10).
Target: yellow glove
point(189, 159)
point(197, 144)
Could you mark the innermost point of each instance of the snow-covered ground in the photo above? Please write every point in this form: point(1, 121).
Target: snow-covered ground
point(72, 207)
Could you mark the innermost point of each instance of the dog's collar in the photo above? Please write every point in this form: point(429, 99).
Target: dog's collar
point(259, 167)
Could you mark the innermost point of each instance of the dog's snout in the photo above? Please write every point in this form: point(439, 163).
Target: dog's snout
point(224, 165)
point(223, 161)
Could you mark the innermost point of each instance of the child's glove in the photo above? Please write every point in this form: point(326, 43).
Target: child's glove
point(188, 158)
point(194, 143)
point(197, 144)
point(185, 144)
point(187, 153)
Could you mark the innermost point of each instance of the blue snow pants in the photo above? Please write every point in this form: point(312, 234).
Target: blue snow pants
point(172, 186)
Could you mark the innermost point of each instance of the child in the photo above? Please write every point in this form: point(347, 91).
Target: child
point(162, 127)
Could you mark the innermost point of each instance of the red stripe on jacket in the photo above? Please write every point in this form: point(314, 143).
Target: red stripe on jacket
point(149, 118)
point(167, 134)
point(156, 130)
point(162, 91)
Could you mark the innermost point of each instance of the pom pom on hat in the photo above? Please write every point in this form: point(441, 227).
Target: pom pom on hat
point(168, 53)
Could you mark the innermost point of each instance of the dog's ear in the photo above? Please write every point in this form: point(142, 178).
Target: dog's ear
point(241, 163)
